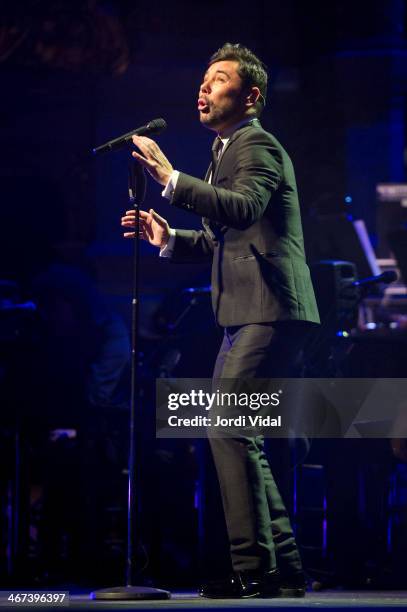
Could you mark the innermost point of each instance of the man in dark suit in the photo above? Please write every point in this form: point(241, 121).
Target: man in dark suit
point(261, 294)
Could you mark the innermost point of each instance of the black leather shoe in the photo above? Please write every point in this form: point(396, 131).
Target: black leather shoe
point(293, 585)
point(244, 585)
point(270, 584)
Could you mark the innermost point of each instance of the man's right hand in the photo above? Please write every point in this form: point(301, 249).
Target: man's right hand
point(152, 228)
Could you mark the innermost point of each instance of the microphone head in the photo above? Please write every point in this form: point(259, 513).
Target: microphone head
point(153, 127)
point(156, 126)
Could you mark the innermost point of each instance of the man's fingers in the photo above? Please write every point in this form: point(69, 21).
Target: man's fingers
point(143, 139)
point(131, 222)
point(149, 149)
point(145, 145)
point(143, 161)
point(142, 142)
point(129, 213)
point(142, 235)
point(130, 218)
point(157, 218)
point(132, 213)
point(144, 214)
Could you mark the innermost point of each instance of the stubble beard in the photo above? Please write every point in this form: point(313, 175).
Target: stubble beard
point(216, 118)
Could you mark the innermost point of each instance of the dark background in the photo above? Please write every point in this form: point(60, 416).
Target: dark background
point(74, 74)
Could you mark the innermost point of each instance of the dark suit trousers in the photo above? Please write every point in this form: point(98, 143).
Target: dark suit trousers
point(258, 525)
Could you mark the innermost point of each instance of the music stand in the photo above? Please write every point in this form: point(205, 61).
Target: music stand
point(398, 244)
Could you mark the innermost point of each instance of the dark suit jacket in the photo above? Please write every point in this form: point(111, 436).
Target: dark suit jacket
point(252, 232)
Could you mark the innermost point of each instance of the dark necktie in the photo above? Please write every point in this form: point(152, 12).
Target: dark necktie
point(216, 151)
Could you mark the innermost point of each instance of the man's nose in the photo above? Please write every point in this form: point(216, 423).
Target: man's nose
point(205, 87)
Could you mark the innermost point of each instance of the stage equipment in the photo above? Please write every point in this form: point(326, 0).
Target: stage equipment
point(391, 214)
point(387, 277)
point(156, 126)
point(339, 237)
point(137, 192)
point(338, 293)
point(183, 322)
point(398, 244)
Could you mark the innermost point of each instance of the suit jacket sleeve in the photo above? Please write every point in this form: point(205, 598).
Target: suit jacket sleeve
point(192, 246)
point(255, 172)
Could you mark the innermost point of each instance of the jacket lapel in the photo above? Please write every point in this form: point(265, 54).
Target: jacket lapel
point(208, 173)
point(215, 229)
point(205, 221)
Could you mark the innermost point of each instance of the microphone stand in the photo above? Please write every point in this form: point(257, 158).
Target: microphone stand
point(137, 193)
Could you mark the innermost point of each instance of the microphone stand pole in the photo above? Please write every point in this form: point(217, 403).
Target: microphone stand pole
point(137, 193)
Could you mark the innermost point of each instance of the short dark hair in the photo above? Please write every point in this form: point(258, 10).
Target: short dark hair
point(251, 69)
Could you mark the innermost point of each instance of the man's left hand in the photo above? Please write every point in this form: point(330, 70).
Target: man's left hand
point(153, 159)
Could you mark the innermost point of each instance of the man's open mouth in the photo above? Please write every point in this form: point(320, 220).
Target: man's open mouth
point(203, 106)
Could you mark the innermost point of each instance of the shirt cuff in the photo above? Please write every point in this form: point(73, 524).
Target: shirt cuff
point(168, 250)
point(169, 189)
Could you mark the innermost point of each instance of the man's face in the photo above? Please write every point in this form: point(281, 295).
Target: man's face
point(222, 98)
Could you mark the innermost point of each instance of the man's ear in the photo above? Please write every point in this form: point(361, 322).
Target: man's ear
point(253, 96)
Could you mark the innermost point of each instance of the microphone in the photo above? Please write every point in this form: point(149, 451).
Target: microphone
point(153, 127)
point(385, 277)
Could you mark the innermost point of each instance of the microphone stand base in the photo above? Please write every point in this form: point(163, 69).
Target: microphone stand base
point(129, 593)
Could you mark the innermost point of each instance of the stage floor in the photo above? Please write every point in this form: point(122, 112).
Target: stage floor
point(326, 600)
